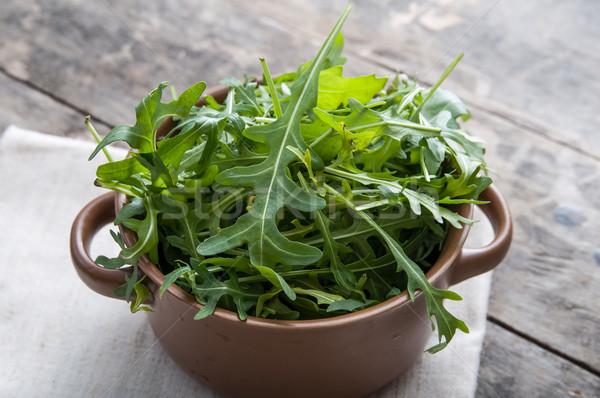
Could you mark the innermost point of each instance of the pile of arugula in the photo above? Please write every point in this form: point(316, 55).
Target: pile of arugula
point(310, 196)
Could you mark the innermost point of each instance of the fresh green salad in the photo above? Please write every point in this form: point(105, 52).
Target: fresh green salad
point(311, 195)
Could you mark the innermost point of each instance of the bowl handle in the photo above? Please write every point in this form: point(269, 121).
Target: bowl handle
point(473, 262)
point(96, 214)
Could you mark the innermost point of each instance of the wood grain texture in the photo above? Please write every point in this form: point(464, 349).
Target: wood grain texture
point(26, 107)
point(513, 367)
point(549, 285)
point(524, 60)
point(106, 56)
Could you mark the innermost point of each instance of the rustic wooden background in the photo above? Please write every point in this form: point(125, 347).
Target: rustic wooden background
point(530, 75)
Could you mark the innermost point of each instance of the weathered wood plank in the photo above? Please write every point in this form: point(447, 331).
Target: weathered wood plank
point(520, 62)
point(28, 108)
point(513, 367)
point(549, 285)
point(535, 62)
point(106, 56)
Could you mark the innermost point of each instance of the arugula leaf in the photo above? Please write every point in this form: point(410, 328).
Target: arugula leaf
point(331, 251)
point(260, 304)
point(210, 290)
point(171, 277)
point(142, 293)
point(334, 57)
point(276, 280)
point(149, 114)
point(245, 92)
point(321, 296)
point(134, 208)
point(258, 228)
point(335, 90)
point(445, 101)
point(348, 305)
point(393, 185)
point(447, 323)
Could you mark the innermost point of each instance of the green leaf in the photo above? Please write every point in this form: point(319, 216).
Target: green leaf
point(245, 93)
point(276, 280)
point(335, 90)
point(445, 101)
point(147, 236)
point(240, 263)
point(280, 310)
point(334, 57)
point(171, 277)
point(323, 139)
point(449, 201)
point(363, 119)
point(135, 207)
point(142, 293)
point(309, 308)
point(323, 298)
point(110, 263)
point(173, 149)
point(361, 230)
point(433, 90)
point(446, 322)
point(147, 242)
point(160, 174)
point(415, 199)
point(464, 183)
point(274, 189)
point(260, 304)
point(149, 115)
point(210, 290)
point(120, 170)
point(349, 305)
point(271, 86)
point(331, 252)
point(393, 293)
point(460, 142)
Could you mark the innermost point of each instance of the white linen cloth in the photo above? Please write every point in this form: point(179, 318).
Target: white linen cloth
point(60, 339)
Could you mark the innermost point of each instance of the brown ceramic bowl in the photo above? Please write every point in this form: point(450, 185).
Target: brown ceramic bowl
point(345, 356)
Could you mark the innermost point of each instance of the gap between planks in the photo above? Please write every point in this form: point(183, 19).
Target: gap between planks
point(55, 98)
point(585, 366)
point(535, 130)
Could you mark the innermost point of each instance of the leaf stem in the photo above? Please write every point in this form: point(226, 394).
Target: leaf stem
point(265, 120)
point(271, 86)
point(432, 90)
point(321, 138)
point(370, 205)
point(320, 271)
point(423, 165)
point(88, 123)
point(119, 187)
point(413, 126)
point(375, 104)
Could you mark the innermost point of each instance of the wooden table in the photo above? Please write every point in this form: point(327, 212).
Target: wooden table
point(530, 75)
